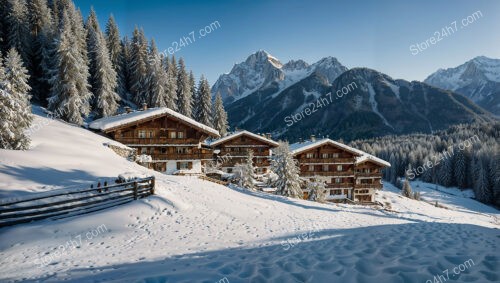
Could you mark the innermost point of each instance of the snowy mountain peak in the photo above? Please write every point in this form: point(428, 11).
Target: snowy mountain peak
point(261, 70)
point(478, 79)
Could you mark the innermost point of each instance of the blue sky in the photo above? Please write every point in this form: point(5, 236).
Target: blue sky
point(373, 34)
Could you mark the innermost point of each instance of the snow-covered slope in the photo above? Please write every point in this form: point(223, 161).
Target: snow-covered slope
point(261, 71)
point(478, 79)
point(197, 231)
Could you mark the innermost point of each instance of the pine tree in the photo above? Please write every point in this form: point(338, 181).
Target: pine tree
point(285, 167)
point(219, 116)
point(407, 191)
point(460, 169)
point(125, 67)
point(70, 94)
point(316, 191)
point(446, 172)
point(18, 31)
point(103, 79)
point(247, 172)
point(204, 103)
point(157, 78)
point(138, 68)
point(115, 49)
point(194, 93)
point(15, 108)
point(171, 84)
point(184, 95)
point(41, 36)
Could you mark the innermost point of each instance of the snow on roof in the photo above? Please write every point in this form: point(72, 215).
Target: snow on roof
point(244, 132)
point(299, 147)
point(369, 157)
point(111, 122)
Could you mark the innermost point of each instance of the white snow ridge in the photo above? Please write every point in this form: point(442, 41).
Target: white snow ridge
point(193, 230)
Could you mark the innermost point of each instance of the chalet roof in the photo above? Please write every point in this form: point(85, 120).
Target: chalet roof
point(108, 123)
point(241, 133)
point(299, 147)
point(368, 157)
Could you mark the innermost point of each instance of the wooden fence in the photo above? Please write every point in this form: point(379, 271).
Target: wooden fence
point(66, 203)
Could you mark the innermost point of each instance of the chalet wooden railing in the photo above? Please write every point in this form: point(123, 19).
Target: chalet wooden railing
point(368, 186)
point(327, 160)
point(65, 203)
point(176, 156)
point(157, 140)
point(332, 174)
point(371, 174)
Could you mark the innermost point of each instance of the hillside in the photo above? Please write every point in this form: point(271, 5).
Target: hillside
point(197, 231)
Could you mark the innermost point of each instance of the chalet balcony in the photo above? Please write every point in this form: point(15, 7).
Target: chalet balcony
point(186, 156)
point(368, 186)
point(243, 153)
point(371, 174)
point(158, 140)
point(326, 160)
point(328, 173)
point(339, 185)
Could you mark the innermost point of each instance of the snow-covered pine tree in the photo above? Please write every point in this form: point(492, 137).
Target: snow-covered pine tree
point(125, 67)
point(17, 30)
point(407, 191)
point(41, 26)
point(184, 94)
point(103, 76)
point(204, 102)
point(157, 78)
point(316, 191)
point(15, 107)
point(460, 169)
point(445, 172)
point(247, 172)
point(495, 175)
point(285, 167)
point(138, 68)
point(219, 116)
point(69, 93)
point(115, 49)
point(194, 92)
point(171, 84)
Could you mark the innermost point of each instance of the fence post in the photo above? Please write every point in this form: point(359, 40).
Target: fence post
point(135, 189)
point(152, 186)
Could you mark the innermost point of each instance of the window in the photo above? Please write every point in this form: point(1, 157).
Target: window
point(172, 135)
point(151, 134)
point(180, 135)
point(184, 165)
point(325, 167)
point(339, 167)
point(325, 155)
point(335, 155)
point(338, 180)
point(311, 167)
point(142, 134)
point(163, 150)
point(310, 155)
point(229, 170)
point(144, 150)
point(183, 150)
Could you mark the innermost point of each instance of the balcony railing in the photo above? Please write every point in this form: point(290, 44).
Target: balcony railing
point(368, 186)
point(176, 156)
point(157, 140)
point(340, 185)
point(326, 160)
point(371, 174)
point(327, 173)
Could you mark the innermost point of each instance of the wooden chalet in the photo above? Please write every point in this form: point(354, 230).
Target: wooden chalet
point(233, 149)
point(348, 173)
point(174, 142)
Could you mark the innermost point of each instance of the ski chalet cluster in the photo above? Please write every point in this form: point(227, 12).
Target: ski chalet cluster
point(179, 144)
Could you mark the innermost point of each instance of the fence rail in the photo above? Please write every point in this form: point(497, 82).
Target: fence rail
point(66, 203)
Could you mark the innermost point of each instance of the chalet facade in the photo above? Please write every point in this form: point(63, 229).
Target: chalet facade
point(233, 149)
point(174, 142)
point(348, 173)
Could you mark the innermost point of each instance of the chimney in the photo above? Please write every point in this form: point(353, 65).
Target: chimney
point(144, 106)
point(301, 140)
point(313, 138)
point(128, 109)
point(268, 135)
